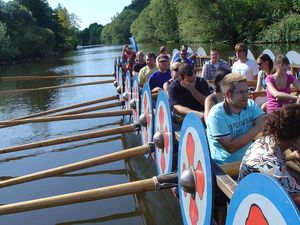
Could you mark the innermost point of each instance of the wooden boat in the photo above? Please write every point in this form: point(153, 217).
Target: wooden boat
point(195, 166)
point(197, 205)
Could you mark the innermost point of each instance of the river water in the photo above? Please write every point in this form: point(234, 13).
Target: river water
point(150, 208)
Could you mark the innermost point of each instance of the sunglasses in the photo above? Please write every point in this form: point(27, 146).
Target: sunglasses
point(176, 69)
point(260, 63)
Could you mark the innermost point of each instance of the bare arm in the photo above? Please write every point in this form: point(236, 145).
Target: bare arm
point(232, 144)
point(280, 95)
point(258, 84)
point(196, 94)
point(185, 110)
point(209, 103)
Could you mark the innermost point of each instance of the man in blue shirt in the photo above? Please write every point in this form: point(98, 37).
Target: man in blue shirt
point(183, 55)
point(233, 123)
point(162, 75)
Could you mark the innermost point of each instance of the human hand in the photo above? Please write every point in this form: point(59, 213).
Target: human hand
point(187, 85)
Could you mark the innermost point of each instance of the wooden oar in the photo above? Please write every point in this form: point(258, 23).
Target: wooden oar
point(78, 137)
point(68, 117)
point(21, 78)
point(14, 91)
point(93, 108)
point(152, 184)
point(124, 154)
point(89, 109)
point(78, 105)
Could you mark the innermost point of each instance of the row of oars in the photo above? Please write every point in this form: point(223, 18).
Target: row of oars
point(23, 78)
point(151, 184)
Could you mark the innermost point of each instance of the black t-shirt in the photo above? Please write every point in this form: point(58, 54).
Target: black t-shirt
point(137, 67)
point(178, 95)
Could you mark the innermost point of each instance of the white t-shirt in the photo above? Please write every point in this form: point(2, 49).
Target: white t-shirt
point(249, 69)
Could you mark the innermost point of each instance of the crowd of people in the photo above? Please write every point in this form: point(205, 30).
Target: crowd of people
point(220, 96)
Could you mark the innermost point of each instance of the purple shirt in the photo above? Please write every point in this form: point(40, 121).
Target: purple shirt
point(272, 103)
point(157, 79)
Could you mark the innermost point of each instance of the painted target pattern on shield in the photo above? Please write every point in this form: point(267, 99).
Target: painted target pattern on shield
point(194, 154)
point(259, 199)
point(128, 89)
point(163, 124)
point(136, 97)
point(120, 83)
point(147, 109)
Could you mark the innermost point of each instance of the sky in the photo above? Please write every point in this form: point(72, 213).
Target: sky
point(91, 11)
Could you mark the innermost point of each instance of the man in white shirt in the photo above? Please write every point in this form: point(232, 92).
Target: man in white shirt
point(244, 66)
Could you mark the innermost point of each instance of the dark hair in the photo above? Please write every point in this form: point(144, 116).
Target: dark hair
point(281, 59)
point(214, 50)
point(284, 123)
point(185, 69)
point(266, 57)
point(162, 49)
point(151, 55)
point(220, 74)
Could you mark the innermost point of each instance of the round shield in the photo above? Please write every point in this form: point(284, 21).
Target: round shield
point(163, 125)
point(294, 57)
point(269, 53)
point(194, 157)
point(201, 52)
point(120, 83)
point(136, 98)
point(127, 90)
point(259, 199)
point(147, 111)
point(250, 55)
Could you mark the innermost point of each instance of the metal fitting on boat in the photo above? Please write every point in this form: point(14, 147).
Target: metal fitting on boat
point(187, 181)
point(119, 89)
point(143, 120)
point(158, 139)
point(151, 147)
point(116, 83)
point(132, 104)
point(125, 97)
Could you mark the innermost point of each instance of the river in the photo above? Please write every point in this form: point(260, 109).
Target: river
point(150, 208)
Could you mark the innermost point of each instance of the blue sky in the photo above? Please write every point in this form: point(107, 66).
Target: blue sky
point(90, 11)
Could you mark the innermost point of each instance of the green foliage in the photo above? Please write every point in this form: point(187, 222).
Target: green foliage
point(142, 28)
point(7, 51)
point(30, 28)
point(118, 31)
point(287, 29)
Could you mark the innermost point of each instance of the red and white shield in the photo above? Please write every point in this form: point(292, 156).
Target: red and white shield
point(163, 124)
point(194, 155)
point(128, 90)
point(147, 110)
point(136, 97)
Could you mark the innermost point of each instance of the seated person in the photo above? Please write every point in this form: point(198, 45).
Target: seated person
point(244, 66)
point(183, 55)
point(188, 93)
point(162, 75)
point(233, 123)
point(265, 66)
point(147, 70)
point(279, 85)
point(217, 95)
point(211, 67)
point(174, 74)
point(266, 154)
point(139, 62)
